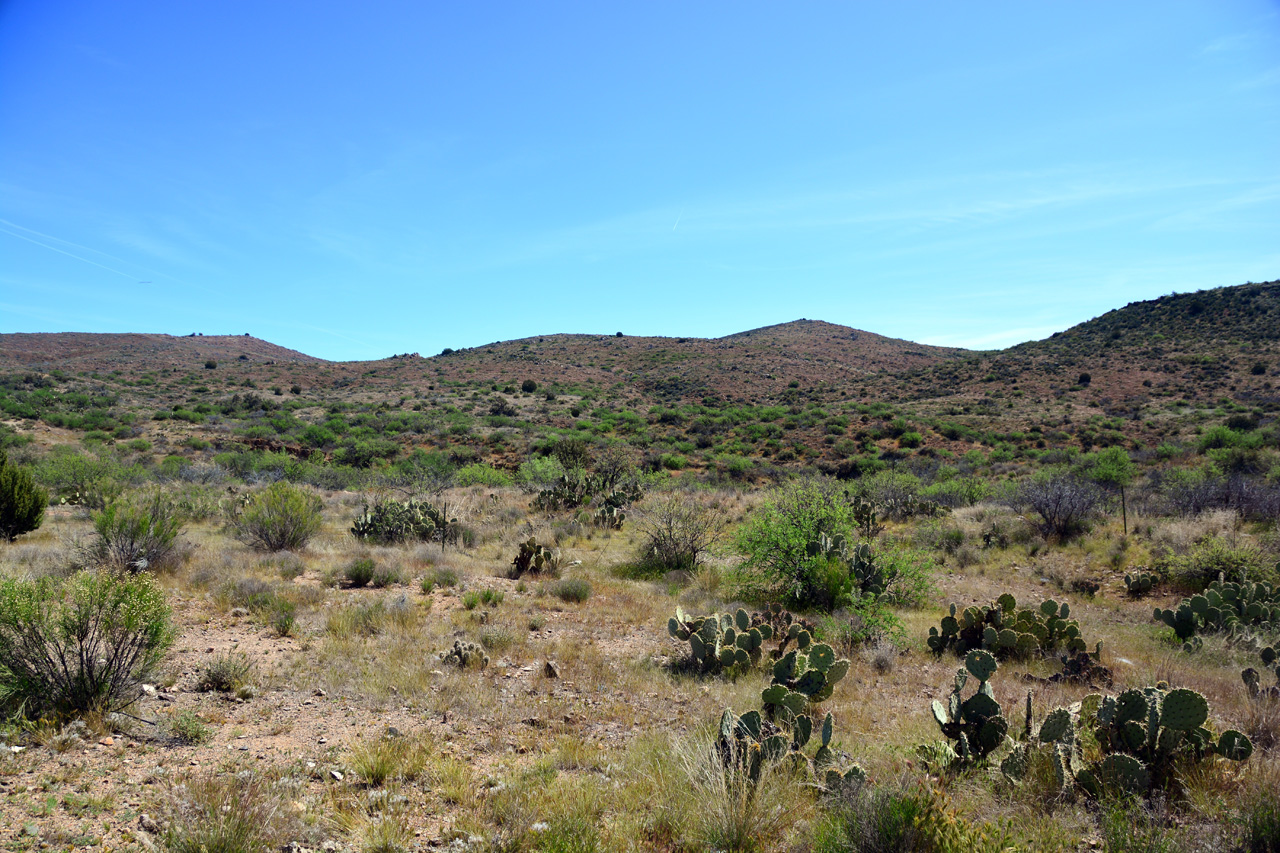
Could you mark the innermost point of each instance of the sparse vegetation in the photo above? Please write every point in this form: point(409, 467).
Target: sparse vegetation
point(480, 694)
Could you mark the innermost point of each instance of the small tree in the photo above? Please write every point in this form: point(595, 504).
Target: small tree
point(22, 502)
point(776, 538)
point(1112, 468)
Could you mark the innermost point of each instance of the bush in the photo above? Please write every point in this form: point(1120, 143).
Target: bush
point(22, 502)
point(360, 572)
point(279, 518)
point(540, 472)
point(1216, 555)
point(776, 537)
point(135, 535)
point(1064, 502)
point(528, 386)
point(79, 646)
point(479, 474)
point(677, 531)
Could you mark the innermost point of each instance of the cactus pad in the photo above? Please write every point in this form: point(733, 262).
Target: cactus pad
point(1184, 710)
point(980, 664)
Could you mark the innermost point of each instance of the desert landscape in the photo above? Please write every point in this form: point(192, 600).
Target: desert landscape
point(799, 588)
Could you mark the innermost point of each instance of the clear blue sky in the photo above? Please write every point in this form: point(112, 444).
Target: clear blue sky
point(360, 179)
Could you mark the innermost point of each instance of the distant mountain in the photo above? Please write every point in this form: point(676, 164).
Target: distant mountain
point(76, 351)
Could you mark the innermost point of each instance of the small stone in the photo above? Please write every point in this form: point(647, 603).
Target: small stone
point(319, 692)
point(148, 824)
point(108, 741)
point(336, 775)
point(149, 690)
point(550, 670)
point(392, 731)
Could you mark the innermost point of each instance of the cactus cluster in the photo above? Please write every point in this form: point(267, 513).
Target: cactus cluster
point(976, 724)
point(722, 641)
point(610, 517)
point(535, 558)
point(1145, 734)
point(464, 655)
point(1222, 607)
point(1139, 583)
point(865, 515)
point(751, 741)
point(577, 489)
point(1054, 743)
point(1253, 680)
point(803, 676)
point(860, 561)
point(390, 521)
point(1006, 631)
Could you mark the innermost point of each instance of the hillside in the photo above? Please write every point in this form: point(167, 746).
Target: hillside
point(801, 392)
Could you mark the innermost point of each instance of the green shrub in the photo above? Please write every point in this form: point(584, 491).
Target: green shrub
point(1214, 556)
point(279, 518)
point(575, 590)
point(479, 474)
point(135, 535)
point(22, 502)
point(360, 572)
point(540, 472)
point(776, 539)
point(187, 727)
point(81, 645)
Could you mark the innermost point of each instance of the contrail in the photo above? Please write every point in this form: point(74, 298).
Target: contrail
point(62, 251)
point(677, 225)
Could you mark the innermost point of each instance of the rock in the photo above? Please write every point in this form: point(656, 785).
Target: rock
point(392, 731)
point(149, 690)
point(148, 824)
point(108, 741)
point(239, 611)
point(336, 775)
point(550, 670)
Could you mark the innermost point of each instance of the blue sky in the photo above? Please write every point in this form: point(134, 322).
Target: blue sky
point(357, 180)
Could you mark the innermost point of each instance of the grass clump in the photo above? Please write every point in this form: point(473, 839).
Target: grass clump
point(225, 673)
point(187, 727)
point(571, 590)
point(228, 813)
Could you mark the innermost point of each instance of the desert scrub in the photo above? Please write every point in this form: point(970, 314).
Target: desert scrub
point(390, 758)
point(135, 535)
point(281, 517)
point(81, 645)
point(677, 531)
point(775, 539)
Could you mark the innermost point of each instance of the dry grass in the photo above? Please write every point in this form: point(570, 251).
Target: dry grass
point(611, 753)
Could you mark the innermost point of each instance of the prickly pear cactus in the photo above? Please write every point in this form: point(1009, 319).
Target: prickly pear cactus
point(535, 558)
point(1147, 736)
point(720, 641)
point(1224, 608)
point(1139, 583)
point(1007, 631)
point(752, 741)
point(803, 677)
point(976, 724)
